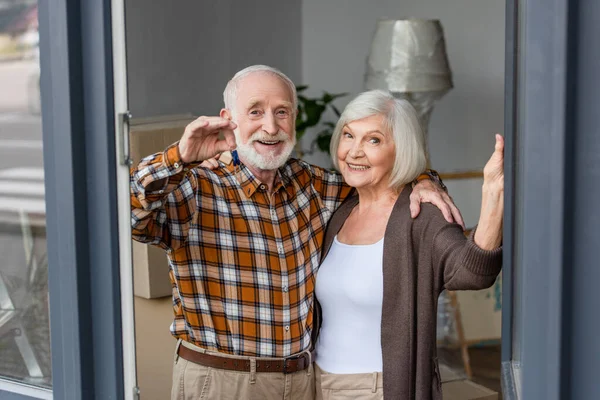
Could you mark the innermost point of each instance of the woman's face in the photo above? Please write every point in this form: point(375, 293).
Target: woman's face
point(366, 153)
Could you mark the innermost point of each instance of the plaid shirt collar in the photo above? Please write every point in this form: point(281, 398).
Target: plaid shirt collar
point(250, 183)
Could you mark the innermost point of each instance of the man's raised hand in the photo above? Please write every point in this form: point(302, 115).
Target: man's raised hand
point(200, 140)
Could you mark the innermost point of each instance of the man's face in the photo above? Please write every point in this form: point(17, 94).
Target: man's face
point(265, 117)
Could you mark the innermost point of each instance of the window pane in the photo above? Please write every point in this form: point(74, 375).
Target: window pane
point(24, 323)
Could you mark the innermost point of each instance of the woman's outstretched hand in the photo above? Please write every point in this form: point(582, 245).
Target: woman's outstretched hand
point(488, 235)
point(493, 172)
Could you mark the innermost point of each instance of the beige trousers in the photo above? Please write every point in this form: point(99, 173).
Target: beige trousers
point(348, 386)
point(193, 381)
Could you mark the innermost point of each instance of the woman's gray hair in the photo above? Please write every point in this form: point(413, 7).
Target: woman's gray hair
point(401, 120)
point(230, 93)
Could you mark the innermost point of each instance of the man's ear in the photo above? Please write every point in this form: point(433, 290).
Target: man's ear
point(225, 113)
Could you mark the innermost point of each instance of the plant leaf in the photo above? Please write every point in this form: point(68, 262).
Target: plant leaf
point(313, 112)
point(324, 140)
point(335, 110)
point(310, 112)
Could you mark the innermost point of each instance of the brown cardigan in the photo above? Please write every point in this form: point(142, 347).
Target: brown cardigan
point(421, 257)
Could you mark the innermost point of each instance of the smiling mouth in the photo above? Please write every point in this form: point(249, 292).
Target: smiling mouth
point(356, 167)
point(269, 142)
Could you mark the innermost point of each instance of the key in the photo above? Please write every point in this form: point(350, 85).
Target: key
point(236, 160)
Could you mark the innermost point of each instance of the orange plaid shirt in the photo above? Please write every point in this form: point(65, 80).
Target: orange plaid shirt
point(242, 263)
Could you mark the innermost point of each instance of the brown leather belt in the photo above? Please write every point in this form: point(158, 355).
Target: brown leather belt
point(287, 365)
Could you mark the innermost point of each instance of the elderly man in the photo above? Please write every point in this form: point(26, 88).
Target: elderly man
point(243, 243)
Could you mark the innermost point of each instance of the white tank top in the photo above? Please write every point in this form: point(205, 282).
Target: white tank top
point(349, 287)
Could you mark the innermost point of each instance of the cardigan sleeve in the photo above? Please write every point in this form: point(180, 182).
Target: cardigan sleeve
point(459, 264)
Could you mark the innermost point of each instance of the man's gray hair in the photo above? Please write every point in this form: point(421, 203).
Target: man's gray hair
point(401, 120)
point(230, 93)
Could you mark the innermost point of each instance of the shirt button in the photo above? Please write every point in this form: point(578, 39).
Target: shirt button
point(280, 249)
point(285, 289)
point(161, 191)
point(287, 328)
point(176, 165)
point(263, 187)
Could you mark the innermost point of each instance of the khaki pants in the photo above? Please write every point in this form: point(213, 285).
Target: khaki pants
point(193, 381)
point(348, 386)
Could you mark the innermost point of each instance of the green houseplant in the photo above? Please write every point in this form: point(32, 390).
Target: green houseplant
point(310, 112)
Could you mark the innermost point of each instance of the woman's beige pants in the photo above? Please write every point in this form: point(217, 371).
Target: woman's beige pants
point(348, 386)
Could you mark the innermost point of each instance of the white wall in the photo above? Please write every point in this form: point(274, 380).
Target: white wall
point(336, 35)
point(181, 54)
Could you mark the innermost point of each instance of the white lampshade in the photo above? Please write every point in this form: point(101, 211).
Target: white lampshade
point(408, 55)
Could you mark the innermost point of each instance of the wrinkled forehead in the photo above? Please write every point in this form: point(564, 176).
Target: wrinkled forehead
point(374, 123)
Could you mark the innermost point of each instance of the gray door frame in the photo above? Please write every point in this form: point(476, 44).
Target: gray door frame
point(81, 198)
point(511, 101)
point(552, 191)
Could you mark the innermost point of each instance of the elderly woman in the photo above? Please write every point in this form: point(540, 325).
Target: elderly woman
point(382, 271)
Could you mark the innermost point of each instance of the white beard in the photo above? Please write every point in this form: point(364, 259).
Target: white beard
point(269, 161)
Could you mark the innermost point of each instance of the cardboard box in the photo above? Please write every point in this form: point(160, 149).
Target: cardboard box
point(457, 387)
point(467, 390)
point(481, 312)
point(150, 265)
